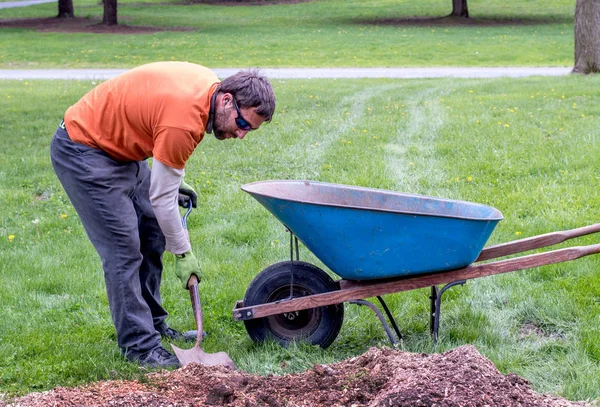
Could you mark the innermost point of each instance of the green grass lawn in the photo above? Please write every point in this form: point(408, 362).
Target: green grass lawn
point(328, 33)
point(528, 147)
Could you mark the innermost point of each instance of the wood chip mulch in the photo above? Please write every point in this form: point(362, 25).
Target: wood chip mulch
point(461, 377)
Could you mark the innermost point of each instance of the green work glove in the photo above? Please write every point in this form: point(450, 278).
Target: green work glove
point(186, 264)
point(186, 193)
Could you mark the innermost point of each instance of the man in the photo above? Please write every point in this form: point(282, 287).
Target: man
point(160, 110)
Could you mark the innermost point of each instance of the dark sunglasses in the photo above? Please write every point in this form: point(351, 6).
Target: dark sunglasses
point(239, 120)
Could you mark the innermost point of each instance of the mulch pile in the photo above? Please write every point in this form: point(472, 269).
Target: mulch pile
point(380, 377)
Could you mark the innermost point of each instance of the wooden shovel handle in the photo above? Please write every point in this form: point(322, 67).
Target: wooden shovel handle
point(196, 306)
point(192, 281)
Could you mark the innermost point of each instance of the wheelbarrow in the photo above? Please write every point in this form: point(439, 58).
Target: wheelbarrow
point(379, 242)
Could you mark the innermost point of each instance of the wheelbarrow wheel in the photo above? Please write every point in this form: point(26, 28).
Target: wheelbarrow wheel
point(318, 326)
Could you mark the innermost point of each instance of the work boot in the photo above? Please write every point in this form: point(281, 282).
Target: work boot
point(157, 357)
point(188, 336)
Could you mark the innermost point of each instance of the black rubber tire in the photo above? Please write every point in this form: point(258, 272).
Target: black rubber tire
point(318, 326)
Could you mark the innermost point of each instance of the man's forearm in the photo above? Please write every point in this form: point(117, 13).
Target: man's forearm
point(164, 186)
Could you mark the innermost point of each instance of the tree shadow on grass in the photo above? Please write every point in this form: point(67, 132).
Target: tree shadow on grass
point(83, 25)
point(492, 21)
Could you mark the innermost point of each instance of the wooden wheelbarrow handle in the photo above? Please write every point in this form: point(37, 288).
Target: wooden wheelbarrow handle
point(353, 290)
point(535, 242)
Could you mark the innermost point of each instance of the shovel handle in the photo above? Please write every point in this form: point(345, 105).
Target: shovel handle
point(196, 306)
point(192, 281)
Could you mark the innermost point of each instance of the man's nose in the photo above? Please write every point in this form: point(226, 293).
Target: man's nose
point(241, 133)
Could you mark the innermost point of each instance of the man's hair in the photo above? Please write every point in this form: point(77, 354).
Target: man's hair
point(251, 89)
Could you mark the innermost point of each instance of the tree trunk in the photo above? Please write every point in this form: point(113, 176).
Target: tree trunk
point(459, 9)
point(65, 9)
point(587, 36)
point(110, 12)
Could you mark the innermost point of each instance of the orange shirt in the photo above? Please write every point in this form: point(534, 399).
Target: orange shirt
point(156, 110)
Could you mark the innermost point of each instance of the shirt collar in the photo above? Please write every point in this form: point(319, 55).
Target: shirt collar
point(211, 113)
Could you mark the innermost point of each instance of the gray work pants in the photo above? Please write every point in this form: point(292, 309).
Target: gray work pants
point(111, 199)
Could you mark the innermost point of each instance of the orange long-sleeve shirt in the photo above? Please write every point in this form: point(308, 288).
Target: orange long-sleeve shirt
point(158, 110)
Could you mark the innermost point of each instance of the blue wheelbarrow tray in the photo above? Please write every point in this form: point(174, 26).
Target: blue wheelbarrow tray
point(364, 234)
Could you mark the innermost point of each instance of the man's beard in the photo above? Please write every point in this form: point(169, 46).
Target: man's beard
point(220, 118)
point(220, 135)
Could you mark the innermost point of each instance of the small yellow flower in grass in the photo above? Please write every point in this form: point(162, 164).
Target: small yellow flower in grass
point(506, 125)
point(457, 179)
point(63, 216)
point(376, 137)
point(11, 238)
point(518, 233)
point(308, 122)
point(411, 164)
point(470, 91)
point(469, 179)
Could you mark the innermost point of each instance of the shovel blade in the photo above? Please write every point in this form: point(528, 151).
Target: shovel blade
point(197, 355)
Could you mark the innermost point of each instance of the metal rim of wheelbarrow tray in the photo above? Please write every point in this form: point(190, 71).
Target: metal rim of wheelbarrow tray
point(293, 279)
point(288, 190)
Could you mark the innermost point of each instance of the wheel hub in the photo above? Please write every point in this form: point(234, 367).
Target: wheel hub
point(296, 324)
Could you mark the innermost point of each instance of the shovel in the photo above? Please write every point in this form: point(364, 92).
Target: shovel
point(196, 354)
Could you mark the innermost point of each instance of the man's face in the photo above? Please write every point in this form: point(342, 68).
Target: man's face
point(234, 122)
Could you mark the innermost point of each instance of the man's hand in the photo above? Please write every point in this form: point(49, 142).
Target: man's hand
point(186, 193)
point(186, 264)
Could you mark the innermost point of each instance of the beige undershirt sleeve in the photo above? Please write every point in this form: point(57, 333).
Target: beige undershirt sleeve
point(164, 190)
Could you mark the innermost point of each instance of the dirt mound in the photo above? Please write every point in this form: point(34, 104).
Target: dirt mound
point(380, 377)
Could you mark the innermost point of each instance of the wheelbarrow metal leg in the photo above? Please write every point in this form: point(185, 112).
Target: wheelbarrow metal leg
point(390, 317)
point(293, 239)
point(436, 304)
point(388, 331)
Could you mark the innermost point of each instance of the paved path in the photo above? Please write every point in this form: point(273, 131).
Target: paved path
point(13, 4)
point(307, 73)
